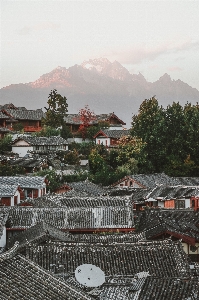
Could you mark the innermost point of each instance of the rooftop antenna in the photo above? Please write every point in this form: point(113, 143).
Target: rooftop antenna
point(89, 275)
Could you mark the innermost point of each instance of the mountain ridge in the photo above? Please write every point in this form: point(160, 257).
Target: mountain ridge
point(104, 86)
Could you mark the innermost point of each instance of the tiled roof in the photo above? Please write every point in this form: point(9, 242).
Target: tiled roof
point(88, 187)
point(184, 224)
point(8, 190)
point(173, 192)
point(43, 232)
point(33, 140)
point(24, 114)
point(169, 288)
point(121, 288)
point(23, 279)
point(30, 162)
point(39, 232)
point(9, 105)
point(139, 195)
point(77, 213)
point(95, 201)
point(159, 258)
point(153, 180)
point(112, 133)
point(74, 118)
point(3, 115)
point(23, 181)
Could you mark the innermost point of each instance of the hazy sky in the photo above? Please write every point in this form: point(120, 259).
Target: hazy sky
point(151, 37)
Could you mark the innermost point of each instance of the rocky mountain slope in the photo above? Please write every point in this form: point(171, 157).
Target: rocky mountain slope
point(104, 86)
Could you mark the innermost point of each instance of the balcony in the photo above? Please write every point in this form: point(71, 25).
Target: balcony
point(32, 129)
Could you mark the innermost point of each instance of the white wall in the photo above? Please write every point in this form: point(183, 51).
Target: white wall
point(161, 203)
point(3, 238)
point(22, 151)
point(77, 140)
point(102, 140)
point(187, 203)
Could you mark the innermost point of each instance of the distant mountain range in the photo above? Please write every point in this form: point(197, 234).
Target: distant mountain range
point(104, 86)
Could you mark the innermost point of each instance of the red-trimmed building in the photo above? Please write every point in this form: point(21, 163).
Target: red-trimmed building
point(73, 121)
point(109, 137)
point(29, 119)
point(9, 194)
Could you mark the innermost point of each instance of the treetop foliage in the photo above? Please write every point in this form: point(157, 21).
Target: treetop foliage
point(56, 111)
point(171, 137)
point(85, 117)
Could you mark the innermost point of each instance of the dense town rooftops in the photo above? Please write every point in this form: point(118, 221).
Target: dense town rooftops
point(23, 279)
point(159, 258)
point(45, 232)
point(169, 288)
point(173, 192)
point(34, 140)
point(88, 187)
point(151, 181)
point(24, 181)
point(181, 224)
point(3, 116)
point(8, 190)
point(112, 133)
point(24, 114)
point(75, 119)
point(79, 213)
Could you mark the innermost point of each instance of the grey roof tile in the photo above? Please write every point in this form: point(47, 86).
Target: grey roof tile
point(23, 279)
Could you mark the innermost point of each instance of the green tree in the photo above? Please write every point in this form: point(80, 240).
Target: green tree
point(175, 132)
point(5, 144)
point(54, 180)
point(8, 170)
point(149, 125)
point(191, 137)
point(72, 157)
point(65, 132)
point(18, 127)
point(56, 111)
point(47, 131)
point(96, 161)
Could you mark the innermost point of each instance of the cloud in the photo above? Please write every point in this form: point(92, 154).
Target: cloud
point(42, 26)
point(174, 69)
point(138, 54)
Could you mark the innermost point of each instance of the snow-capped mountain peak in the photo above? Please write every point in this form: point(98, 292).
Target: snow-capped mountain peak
point(104, 67)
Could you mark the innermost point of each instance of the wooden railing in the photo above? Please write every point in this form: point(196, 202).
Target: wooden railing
point(32, 128)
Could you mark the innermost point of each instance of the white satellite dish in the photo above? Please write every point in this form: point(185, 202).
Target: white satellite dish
point(89, 275)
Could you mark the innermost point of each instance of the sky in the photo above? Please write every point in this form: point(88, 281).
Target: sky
point(152, 37)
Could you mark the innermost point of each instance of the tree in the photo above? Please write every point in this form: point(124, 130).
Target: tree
point(96, 161)
point(18, 127)
point(85, 117)
point(9, 170)
point(93, 130)
point(5, 144)
point(72, 158)
point(56, 110)
point(65, 132)
point(54, 180)
point(149, 125)
point(191, 138)
point(47, 131)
